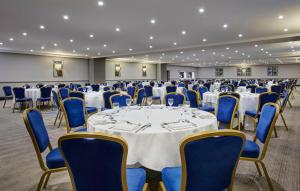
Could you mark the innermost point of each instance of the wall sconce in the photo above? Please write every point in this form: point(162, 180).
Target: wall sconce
point(144, 70)
point(57, 69)
point(117, 70)
point(244, 70)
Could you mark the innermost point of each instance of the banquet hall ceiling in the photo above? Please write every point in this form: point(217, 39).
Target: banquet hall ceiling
point(189, 32)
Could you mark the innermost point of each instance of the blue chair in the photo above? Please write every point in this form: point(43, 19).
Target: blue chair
point(207, 85)
point(7, 94)
point(149, 93)
point(36, 128)
point(59, 115)
point(286, 96)
point(89, 110)
point(140, 96)
point(260, 90)
point(242, 84)
point(116, 86)
point(202, 90)
point(252, 88)
point(74, 112)
point(225, 88)
point(95, 87)
point(81, 89)
point(106, 88)
point(193, 97)
point(159, 85)
point(177, 97)
point(204, 166)
point(63, 93)
point(140, 86)
point(184, 91)
point(276, 89)
point(226, 109)
point(181, 85)
point(171, 89)
point(19, 94)
point(252, 151)
point(106, 98)
point(195, 87)
point(268, 97)
point(120, 99)
point(131, 91)
point(98, 162)
point(45, 96)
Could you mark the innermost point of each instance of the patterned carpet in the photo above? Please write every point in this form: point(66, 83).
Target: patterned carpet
point(19, 168)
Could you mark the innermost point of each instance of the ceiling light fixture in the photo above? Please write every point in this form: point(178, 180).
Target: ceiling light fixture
point(11, 39)
point(42, 27)
point(65, 17)
point(255, 45)
point(201, 10)
point(152, 21)
point(24, 33)
point(204, 40)
point(118, 29)
point(104, 45)
point(31, 50)
point(87, 48)
point(54, 44)
point(151, 37)
point(100, 3)
point(150, 46)
point(174, 43)
point(113, 51)
point(280, 17)
point(240, 35)
point(183, 32)
point(285, 30)
point(225, 26)
point(71, 40)
point(92, 36)
point(130, 49)
point(1, 43)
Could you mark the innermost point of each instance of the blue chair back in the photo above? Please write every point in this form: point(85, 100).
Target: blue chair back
point(152, 84)
point(19, 92)
point(226, 109)
point(74, 112)
point(140, 86)
point(193, 98)
point(242, 84)
point(207, 85)
point(184, 91)
point(225, 88)
point(7, 91)
point(106, 98)
point(177, 97)
point(116, 86)
point(284, 100)
point(76, 94)
point(159, 85)
point(95, 161)
point(119, 98)
point(195, 87)
point(148, 91)
point(140, 96)
point(204, 165)
point(202, 90)
point(252, 88)
point(46, 92)
point(181, 85)
point(81, 89)
point(95, 87)
point(260, 90)
point(276, 88)
point(266, 123)
point(63, 93)
point(131, 91)
point(106, 88)
point(268, 97)
point(171, 89)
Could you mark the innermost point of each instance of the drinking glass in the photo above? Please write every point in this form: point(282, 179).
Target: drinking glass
point(116, 105)
point(170, 101)
point(128, 101)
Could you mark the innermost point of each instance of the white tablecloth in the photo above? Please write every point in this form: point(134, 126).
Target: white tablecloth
point(33, 93)
point(161, 92)
point(215, 86)
point(94, 99)
point(155, 147)
point(241, 89)
point(248, 101)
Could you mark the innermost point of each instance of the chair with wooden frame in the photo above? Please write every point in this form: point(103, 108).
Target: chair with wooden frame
point(204, 166)
point(227, 106)
point(36, 128)
point(252, 151)
point(178, 98)
point(78, 94)
point(7, 94)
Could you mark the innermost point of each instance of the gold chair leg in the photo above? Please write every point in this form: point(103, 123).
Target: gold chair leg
point(244, 119)
point(41, 181)
point(284, 121)
point(258, 169)
point(46, 181)
point(275, 132)
point(4, 102)
point(239, 122)
point(60, 120)
point(14, 107)
point(290, 104)
point(267, 175)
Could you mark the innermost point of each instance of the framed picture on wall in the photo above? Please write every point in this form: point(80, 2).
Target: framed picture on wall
point(144, 70)
point(219, 72)
point(181, 74)
point(272, 70)
point(243, 71)
point(117, 70)
point(57, 68)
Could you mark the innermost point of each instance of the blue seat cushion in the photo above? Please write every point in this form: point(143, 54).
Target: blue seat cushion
point(91, 109)
point(23, 99)
point(136, 178)
point(250, 150)
point(207, 108)
point(54, 159)
point(171, 177)
point(44, 99)
point(155, 97)
point(251, 113)
point(81, 130)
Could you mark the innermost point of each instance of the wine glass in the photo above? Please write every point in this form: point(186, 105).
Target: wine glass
point(170, 101)
point(128, 101)
point(149, 101)
point(116, 105)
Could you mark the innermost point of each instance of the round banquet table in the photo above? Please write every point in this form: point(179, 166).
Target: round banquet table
point(156, 146)
point(215, 86)
point(161, 92)
point(33, 93)
point(94, 99)
point(241, 89)
point(248, 101)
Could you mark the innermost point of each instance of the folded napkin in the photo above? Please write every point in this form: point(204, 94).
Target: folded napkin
point(179, 125)
point(125, 126)
point(102, 121)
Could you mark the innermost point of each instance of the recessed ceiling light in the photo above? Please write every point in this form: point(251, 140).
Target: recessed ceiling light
point(100, 3)
point(267, 52)
point(183, 32)
point(225, 26)
point(104, 45)
point(229, 57)
point(24, 33)
point(71, 40)
point(194, 54)
point(11, 39)
point(174, 43)
point(293, 50)
point(31, 50)
point(1, 43)
point(270, 54)
point(249, 56)
point(285, 30)
point(292, 46)
point(118, 29)
point(98, 53)
point(151, 37)
point(203, 50)
point(113, 51)
point(240, 35)
point(280, 17)
point(236, 51)
point(204, 40)
point(227, 48)
point(42, 47)
point(152, 21)
point(163, 54)
point(55, 44)
point(42, 27)
point(74, 51)
point(256, 45)
point(176, 56)
point(130, 49)
point(181, 52)
point(150, 46)
point(201, 10)
point(214, 53)
point(65, 17)
point(222, 55)
point(86, 55)
point(261, 49)
point(92, 36)
point(243, 54)
point(87, 48)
